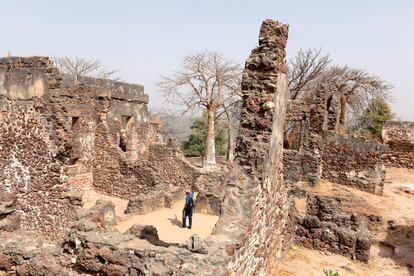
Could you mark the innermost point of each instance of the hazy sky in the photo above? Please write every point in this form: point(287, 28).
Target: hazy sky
point(144, 39)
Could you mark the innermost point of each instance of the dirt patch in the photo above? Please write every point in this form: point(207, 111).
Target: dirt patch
point(166, 220)
point(302, 261)
point(168, 223)
point(392, 252)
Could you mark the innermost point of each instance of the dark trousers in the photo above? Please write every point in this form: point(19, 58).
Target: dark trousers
point(189, 214)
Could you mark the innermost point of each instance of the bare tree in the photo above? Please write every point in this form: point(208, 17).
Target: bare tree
point(231, 104)
point(200, 84)
point(80, 67)
point(356, 86)
point(305, 70)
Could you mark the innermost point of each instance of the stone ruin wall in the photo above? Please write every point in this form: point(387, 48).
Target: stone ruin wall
point(354, 162)
point(57, 136)
point(31, 186)
point(324, 226)
point(255, 210)
point(399, 136)
point(317, 147)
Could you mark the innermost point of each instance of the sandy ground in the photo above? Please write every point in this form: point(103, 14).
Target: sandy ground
point(166, 220)
point(302, 261)
point(396, 205)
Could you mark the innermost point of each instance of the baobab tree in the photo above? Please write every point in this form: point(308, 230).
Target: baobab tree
point(231, 104)
point(80, 67)
point(305, 70)
point(200, 84)
point(356, 87)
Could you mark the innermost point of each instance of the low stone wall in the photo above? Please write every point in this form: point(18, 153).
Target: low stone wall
point(324, 227)
point(160, 168)
point(354, 162)
point(147, 203)
point(399, 136)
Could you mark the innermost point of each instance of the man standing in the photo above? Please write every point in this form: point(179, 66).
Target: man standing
point(188, 209)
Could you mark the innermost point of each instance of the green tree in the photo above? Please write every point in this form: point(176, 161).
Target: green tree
point(194, 145)
point(375, 115)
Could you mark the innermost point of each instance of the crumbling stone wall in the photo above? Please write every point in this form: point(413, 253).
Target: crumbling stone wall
point(31, 171)
point(354, 162)
point(399, 136)
point(302, 142)
point(316, 146)
point(323, 226)
point(93, 133)
point(255, 210)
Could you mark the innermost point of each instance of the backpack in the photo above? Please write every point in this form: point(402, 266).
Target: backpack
point(190, 203)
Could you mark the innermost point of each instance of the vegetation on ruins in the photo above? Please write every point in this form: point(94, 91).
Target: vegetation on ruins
point(375, 115)
point(194, 145)
point(206, 81)
point(80, 67)
point(310, 68)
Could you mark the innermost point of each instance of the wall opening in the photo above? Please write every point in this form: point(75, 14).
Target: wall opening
point(122, 142)
point(74, 121)
point(292, 135)
point(125, 120)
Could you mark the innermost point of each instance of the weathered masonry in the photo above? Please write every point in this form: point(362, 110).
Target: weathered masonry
point(256, 208)
point(56, 135)
point(316, 146)
point(399, 136)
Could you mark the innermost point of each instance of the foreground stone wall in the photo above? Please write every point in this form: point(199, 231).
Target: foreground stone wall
point(399, 136)
point(255, 210)
point(31, 171)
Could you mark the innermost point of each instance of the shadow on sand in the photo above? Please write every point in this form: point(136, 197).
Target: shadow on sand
point(175, 221)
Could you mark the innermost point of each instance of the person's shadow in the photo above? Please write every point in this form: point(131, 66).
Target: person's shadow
point(175, 221)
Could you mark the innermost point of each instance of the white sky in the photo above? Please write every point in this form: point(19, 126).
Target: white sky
point(146, 39)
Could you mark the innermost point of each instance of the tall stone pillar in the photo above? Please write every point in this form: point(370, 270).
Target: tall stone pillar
point(255, 210)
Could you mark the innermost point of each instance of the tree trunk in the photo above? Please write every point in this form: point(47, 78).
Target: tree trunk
point(230, 140)
point(209, 161)
point(342, 114)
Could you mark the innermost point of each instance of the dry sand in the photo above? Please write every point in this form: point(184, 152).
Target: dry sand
point(166, 220)
point(396, 204)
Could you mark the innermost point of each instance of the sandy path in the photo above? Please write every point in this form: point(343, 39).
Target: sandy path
point(166, 220)
point(168, 223)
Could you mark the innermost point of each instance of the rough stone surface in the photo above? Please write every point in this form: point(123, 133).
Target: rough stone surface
point(211, 193)
point(196, 244)
point(255, 210)
point(315, 146)
point(354, 162)
point(325, 227)
point(399, 136)
point(55, 134)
